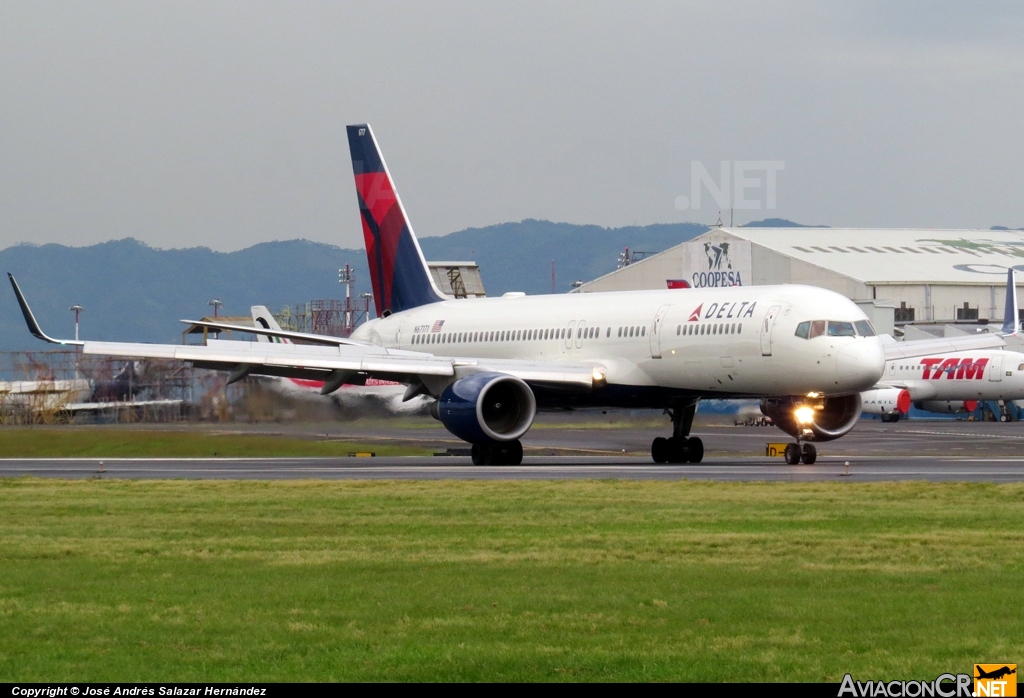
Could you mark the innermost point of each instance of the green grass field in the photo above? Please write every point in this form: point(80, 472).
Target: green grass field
point(592, 580)
point(139, 443)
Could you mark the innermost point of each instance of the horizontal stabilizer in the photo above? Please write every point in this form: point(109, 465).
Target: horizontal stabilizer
point(326, 340)
point(941, 345)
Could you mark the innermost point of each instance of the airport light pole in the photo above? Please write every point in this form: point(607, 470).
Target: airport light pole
point(76, 309)
point(216, 304)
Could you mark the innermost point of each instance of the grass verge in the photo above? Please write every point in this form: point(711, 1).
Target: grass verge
point(591, 580)
point(137, 443)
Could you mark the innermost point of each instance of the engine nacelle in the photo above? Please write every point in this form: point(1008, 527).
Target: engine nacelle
point(484, 407)
point(947, 406)
point(885, 401)
point(817, 419)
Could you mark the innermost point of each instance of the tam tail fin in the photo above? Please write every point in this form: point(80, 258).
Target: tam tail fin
point(398, 271)
point(265, 319)
point(1011, 317)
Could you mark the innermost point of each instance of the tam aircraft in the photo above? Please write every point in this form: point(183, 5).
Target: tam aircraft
point(950, 381)
point(488, 364)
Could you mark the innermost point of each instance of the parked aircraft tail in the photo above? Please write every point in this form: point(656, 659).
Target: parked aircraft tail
point(263, 317)
point(1011, 318)
point(398, 271)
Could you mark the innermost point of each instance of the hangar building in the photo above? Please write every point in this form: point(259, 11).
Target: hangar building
point(924, 276)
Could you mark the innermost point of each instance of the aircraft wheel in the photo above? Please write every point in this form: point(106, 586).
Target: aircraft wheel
point(497, 454)
point(809, 454)
point(792, 454)
point(677, 449)
point(478, 454)
point(695, 450)
point(659, 450)
point(515, 452)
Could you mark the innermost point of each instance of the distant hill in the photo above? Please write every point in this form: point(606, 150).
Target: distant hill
point(133, 292)
point(779, 223)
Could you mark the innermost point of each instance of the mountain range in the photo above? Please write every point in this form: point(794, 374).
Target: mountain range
point(133, 292)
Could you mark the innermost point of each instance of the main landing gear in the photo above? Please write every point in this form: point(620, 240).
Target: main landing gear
point(498, 453)
point(680, 447)
point(796, 453)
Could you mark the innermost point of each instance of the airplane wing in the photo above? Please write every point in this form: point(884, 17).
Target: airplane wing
point(349, 362)
point(940, 345)
point(335, 365)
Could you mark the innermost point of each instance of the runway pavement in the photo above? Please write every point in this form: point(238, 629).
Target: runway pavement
point(950, 451)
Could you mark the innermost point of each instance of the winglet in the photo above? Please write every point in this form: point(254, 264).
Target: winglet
point(30, 319)
point(1011, 318)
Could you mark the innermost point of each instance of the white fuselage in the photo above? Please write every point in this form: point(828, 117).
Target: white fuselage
point(967, 375)
point(737, 341)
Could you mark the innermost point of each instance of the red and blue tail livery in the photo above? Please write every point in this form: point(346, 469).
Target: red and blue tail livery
point(398, 271)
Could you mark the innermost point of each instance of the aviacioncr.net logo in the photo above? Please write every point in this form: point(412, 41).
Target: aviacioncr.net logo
point(944, 686)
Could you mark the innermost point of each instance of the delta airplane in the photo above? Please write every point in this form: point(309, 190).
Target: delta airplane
point(950, 381)
point(489, 364)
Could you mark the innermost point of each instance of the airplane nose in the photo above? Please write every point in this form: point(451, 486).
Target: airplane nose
point(860, 364)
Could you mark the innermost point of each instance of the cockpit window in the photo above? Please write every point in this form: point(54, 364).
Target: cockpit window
point(840, 329)
point(817, 328)
point(803, 329)
point(864, 328)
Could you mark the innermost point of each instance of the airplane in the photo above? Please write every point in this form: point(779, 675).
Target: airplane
point(385, 393)
point(950, 381)
point(995, 673)
point(488, 364)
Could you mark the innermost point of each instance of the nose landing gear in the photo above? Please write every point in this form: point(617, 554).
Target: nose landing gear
point(795, 453)
point(680, 447)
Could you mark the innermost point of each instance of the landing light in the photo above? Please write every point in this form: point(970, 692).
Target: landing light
point(804, 414)
point(599, 378)
point(813, 394)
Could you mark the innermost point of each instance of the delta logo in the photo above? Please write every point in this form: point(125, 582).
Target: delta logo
point(995, 680)
point(724, 311)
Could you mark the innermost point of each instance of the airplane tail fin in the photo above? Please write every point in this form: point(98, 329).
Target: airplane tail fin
point(1011, 318)
point(263, 317)
point(398, 271)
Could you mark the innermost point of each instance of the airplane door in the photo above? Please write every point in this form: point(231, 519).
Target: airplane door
point(568, 335)
point(767, 326)
point(659, 319)
point(995, 369)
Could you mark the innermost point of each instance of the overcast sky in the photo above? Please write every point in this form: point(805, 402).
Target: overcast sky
point(222, 124)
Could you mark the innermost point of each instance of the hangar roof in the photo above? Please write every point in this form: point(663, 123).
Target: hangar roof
point(898, 255)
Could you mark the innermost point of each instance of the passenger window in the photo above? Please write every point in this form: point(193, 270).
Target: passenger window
point(608, 333)
point(739, 328)
point(817, 328)
point(840, 329)
point(803, 330)
point(864, 328)
point(643, 331)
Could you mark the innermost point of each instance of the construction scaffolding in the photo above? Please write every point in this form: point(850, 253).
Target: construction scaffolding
point(47, 387)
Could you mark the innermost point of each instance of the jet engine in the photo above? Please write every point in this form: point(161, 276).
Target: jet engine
point(487, 407)
point(947, 406)
point(814, 419)
point(891, 403)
